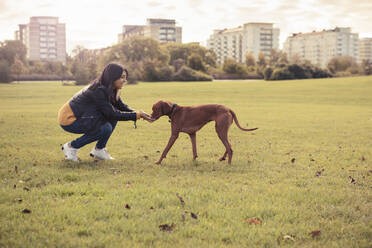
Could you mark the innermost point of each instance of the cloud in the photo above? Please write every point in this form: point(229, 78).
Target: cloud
point(171, 7)
point(153, 4)
point(96, 23)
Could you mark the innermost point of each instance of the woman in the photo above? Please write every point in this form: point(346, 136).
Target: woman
point(94, 111)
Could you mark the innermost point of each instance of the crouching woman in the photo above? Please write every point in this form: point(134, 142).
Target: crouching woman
point(94, 112)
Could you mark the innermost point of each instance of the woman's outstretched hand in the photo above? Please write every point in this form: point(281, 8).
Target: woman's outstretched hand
point(146, 116)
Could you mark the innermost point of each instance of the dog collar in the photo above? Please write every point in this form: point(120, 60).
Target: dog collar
point(171, 112)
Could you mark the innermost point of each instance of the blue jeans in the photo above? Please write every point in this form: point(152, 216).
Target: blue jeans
point(102, 135)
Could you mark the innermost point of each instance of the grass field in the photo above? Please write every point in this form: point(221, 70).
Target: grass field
point(304, 179)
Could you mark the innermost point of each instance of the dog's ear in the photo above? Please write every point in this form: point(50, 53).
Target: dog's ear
point(165, 107)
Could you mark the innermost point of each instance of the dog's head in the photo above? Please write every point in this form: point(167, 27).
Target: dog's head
point(161, 108)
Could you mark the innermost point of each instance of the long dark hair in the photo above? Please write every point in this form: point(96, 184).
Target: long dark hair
point(110, 74)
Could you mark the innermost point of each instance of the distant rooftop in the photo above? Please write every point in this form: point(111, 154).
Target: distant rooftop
point(337, 29)
point(160, 21)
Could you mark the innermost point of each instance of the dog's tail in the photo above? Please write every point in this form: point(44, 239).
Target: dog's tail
point(237, 123)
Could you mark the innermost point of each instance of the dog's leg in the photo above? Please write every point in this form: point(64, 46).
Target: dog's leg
point(224, 156)
point(171, 141)
point(222, 128)
point(193, 142)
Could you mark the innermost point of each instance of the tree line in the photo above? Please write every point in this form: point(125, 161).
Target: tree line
point(148, 60)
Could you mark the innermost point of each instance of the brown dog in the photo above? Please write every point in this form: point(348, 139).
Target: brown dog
point(190, 119)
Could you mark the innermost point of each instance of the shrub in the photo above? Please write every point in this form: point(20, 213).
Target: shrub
point(188, 74)
point(298, 72)
point(281, 74)
point(195, 62)
point(5, 72)
point(230, 66)
point(267, 73)
point(81, 75)
point(165, 73)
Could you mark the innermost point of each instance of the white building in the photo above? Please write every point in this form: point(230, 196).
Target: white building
point(365, 49)
point(163, 30)
point(237, 42)
point(44, 37)
point(320, 47)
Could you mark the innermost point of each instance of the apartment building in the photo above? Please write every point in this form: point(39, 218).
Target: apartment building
point(365, 50)
point(163, 30)
point(235, 43)
point(320, 47)
point(44, 37)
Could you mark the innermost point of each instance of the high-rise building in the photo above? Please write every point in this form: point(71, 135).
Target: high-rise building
point(163, 30)
point(44, 37)
point(320, 47)
point(252, 38)
point(365, 50)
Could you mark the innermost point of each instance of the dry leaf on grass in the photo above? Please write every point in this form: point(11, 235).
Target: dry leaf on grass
point(254, 221)
point(166, 227)
point(315, 233)
point(288, 237)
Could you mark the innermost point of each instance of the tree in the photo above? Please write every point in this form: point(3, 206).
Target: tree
point(10, 49)
point(5, 71)
point(250, 60)
point(195, 61)
point(232, 67)
point(366, 67)
point(295, 59)
point(342, 64)
point(184, 51)
point(81, 75)
point(18, 67)
point(261, 61)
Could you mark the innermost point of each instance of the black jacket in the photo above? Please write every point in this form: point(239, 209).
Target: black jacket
point(92, 108)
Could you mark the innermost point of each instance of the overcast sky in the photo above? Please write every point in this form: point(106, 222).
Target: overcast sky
point(95, 24)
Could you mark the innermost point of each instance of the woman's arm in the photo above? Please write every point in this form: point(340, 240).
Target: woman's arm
point(122, 106)
point(109, 111)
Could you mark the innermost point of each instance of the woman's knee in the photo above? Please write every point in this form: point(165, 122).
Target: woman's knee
point(106, 129)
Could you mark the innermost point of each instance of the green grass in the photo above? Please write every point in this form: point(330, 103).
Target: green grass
point(323, 126)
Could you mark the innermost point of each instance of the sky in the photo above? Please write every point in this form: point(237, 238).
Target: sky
point(96, 24)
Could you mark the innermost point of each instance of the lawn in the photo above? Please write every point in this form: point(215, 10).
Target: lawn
point(303, 179)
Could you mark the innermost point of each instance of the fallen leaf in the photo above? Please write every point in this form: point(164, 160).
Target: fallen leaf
point(127, 206)
point(315, 233)
point(26, 211)
point(166, 227)
point(254, 221)
point(352, 180)
point(319, 173)
point(293, 160)
point(152, 208)
point(25, 188)
point(312, 160)
point(288, 237)
point(194, 216)
point(146, 157)
point(181, 199)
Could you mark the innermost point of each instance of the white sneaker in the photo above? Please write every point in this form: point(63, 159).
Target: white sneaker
point(100, 154)
point(70, 152)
